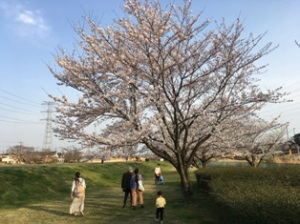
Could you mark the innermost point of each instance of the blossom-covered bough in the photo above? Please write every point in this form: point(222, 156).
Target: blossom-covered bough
point(161, 77)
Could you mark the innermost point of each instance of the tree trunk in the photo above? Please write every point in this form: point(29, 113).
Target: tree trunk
point(254, 160)
point(186, 185)
point(182, 167)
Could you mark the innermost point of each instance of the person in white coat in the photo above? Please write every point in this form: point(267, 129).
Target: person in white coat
point(77, 195)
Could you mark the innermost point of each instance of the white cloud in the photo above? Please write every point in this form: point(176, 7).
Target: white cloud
point(25, 21)
point(27, 17)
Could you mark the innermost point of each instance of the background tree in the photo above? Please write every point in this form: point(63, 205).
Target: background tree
point(163, 76)
point(72, 154)
point(128, 152)
point(259, 139)
point(104, 153)
point(219, 146)
point(291, 146)
point(297, 139)
point(146, 153)
point(23, 154)
point(90, 154)
point(206, 153)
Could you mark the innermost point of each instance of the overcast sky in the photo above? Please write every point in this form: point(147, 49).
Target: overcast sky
point(32, 30)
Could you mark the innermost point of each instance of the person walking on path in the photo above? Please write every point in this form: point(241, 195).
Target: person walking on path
point(160, 207)
point(77, 195)
point(157, 173)
point(125, 185)
point(137, 193)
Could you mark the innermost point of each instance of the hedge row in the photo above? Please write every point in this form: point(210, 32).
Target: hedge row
point(254, 195)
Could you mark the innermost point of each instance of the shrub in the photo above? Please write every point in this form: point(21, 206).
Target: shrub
point(248, 195)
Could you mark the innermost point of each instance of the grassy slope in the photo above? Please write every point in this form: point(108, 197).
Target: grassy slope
point(40, 194)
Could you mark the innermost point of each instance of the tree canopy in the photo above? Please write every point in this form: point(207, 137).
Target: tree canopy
point(162, 77)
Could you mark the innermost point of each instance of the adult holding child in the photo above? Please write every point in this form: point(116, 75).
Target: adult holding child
point(137, 188)
point(77, 195)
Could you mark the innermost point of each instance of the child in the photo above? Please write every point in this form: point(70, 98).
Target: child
point(161, 179)
point(160, 206)
point(157, 173)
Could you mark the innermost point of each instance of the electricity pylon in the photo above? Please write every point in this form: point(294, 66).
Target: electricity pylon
point(48, 136)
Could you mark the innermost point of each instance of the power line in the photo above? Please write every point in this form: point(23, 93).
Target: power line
point(20, 97)
point(7, 98)
point(19, 112)
point(19, 108)
point(17, 120)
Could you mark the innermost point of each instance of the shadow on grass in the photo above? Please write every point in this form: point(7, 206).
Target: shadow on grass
point(57, 212)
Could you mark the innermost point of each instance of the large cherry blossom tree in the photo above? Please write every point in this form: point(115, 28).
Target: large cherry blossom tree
point(161, 77)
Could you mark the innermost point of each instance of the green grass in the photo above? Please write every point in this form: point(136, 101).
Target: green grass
point(40, 194)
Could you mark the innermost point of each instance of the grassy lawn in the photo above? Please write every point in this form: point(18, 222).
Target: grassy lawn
point(40, 194)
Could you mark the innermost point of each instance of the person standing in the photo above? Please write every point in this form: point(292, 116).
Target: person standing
point(137, 194)
point(125, 185)
point(157, 173)
point(160, 207)
point(77, 195)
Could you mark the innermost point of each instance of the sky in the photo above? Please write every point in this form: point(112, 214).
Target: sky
point(31, 31)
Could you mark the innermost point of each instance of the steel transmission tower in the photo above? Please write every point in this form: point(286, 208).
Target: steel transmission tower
point(48, 136)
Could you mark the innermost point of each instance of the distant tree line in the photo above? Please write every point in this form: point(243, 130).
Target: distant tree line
point(29, 155)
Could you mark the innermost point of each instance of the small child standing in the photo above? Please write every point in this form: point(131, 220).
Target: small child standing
point(160, 206)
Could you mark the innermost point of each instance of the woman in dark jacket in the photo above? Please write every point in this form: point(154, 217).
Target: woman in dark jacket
point(125, 185)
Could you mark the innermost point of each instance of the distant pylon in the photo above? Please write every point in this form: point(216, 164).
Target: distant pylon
point(48, 136)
